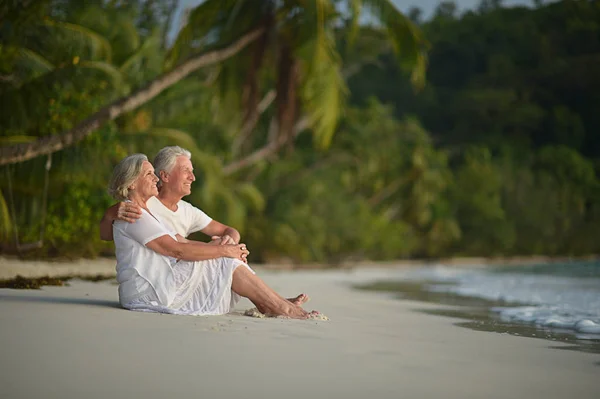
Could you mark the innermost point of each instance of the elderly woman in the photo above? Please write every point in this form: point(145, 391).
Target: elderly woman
point(159, 271)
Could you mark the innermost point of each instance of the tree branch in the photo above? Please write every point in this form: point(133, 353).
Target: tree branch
point(251, 123)
point(50, 144)
point(265, 151)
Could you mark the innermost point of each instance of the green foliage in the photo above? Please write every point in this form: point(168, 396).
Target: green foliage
point(298, 53)
point(72, 221)
point(477, 197)
point(5, 222)
point(497, 155)
point(319, 219)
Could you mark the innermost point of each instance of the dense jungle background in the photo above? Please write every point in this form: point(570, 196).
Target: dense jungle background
point(334, 131)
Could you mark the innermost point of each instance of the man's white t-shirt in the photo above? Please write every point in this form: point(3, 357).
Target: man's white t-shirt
point(186, 220)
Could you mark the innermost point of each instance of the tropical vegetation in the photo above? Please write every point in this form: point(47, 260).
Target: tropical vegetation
point(325, 131)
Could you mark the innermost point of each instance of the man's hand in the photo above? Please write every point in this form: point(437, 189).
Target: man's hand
point(125, 211)
point(238, 251)
point(128, 212)
point(228, 240)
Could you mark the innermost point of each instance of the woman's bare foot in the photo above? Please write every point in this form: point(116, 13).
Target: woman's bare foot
point(299, 300)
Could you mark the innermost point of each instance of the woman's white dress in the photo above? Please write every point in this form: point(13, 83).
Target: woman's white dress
point(152, 282)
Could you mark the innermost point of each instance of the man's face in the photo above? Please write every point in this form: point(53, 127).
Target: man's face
point(180, 179)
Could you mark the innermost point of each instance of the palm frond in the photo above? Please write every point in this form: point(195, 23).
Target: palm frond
point(408, 43)
point(323, 90)
point(355, 11)
point(99, 46)
point(98, 19)
point(202, 20)
point(178, 101)
point(111, 71)
point(148, 48)
point(26, 108)
point(34, 62)
point(251, 195)
point(233, 210)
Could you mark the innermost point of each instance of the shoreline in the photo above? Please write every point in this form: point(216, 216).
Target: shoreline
point(11, 266)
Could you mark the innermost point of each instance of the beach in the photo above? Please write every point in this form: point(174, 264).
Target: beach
point(74, 341)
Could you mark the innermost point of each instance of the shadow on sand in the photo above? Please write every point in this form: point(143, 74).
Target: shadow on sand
point(59, 300)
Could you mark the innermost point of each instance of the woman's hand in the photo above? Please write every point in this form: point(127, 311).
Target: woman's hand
point(215, 240)
point(237, 251)
point(223, 240)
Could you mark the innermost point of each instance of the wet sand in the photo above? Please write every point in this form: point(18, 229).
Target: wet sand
point(73, 342)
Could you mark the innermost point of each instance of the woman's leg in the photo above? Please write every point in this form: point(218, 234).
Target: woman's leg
point(249, 285)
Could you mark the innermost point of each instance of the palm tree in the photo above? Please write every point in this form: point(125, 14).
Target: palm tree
point(298, 36)
point(71, 59)
point(294, 58)
point(57, 53)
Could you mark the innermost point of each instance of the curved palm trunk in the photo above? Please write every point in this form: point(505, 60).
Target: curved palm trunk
point(287, 94)
point(251, 90)
point(49, 144)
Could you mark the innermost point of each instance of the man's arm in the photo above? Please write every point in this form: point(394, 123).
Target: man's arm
point(125, 211)
point(227, 234)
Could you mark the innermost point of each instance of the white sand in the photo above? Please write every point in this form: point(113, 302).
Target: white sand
point(74, 342)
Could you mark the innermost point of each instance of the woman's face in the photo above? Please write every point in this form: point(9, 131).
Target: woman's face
point(145, 185)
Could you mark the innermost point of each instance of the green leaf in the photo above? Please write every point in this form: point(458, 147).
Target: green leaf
point(209, 16)
point(110, 70)
point(35, 61)
point(5, 220)
point(251, 195)
point(150, 46)
point(323, 91)
point(99, 45)
point(408, 43)
point(17, 139)
point(355, 11)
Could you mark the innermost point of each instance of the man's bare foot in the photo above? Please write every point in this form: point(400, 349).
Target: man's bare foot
point(290, 311)
point(299, 300)
point(296, 312)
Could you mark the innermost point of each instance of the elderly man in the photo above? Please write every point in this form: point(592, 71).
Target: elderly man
point(176, 174)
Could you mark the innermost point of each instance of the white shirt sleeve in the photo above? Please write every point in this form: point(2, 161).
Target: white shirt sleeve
point(146, 229)
point(199, 220)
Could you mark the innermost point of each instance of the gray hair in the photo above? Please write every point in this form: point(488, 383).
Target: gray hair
point(165, 160)
point(124, 174)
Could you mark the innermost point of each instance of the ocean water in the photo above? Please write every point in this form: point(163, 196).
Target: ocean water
point(557, 296)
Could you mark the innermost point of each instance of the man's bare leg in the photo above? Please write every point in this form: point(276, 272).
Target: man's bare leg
point(249, 285)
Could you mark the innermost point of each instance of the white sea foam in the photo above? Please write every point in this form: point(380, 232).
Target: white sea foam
point(553, 301)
